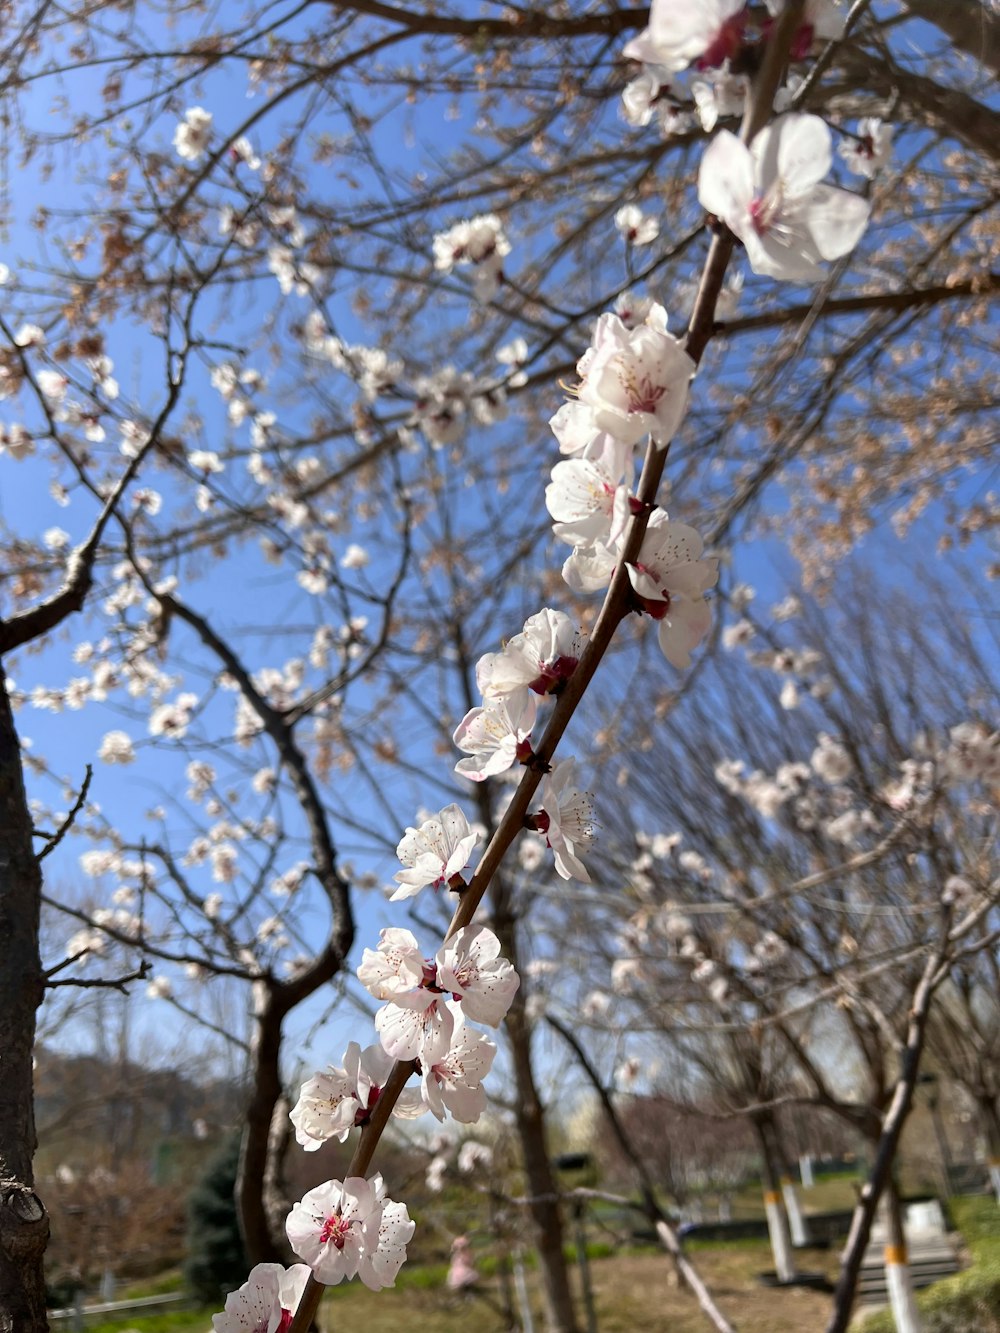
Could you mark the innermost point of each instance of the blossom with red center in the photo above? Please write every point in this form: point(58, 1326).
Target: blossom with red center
point(333, 1102)
point(566, 821)
point(541, 658)
point(635, 380)
point(581, 495)
point(682, 31)
point(496, 736)
point(770, 196)
point(434, 853)
point(454, 1083)
point(350, 1228)
point(669, 579)
point(266, 1301)
point(419, 1021)
point(470, 967)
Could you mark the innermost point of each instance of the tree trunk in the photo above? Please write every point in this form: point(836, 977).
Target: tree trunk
point(774, 1209)
point(991, 1128)
point(898, 1278)
point(24, 1223)
point(266, 1094)
point(530, 1118)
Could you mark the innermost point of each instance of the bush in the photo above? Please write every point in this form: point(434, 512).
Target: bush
point(970, 1301)
point(216, 1262)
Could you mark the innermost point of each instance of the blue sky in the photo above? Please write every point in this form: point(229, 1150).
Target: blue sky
point(245, 591)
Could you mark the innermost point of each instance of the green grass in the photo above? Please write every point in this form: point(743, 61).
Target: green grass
point(176, 1321)
point(162, 1285)
point(970, 1301)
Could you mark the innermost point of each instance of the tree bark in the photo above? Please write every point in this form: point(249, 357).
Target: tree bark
point(774, 1206)
point(266, 1093)
point(892, 1129)
point(529, 1115)
point(897, 1267)
point(24, 1223)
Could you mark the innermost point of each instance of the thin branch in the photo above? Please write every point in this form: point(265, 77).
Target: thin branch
point(56, 838)
point(99, 983)
point(666, 1233)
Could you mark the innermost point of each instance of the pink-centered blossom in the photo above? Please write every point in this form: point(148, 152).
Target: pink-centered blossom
point(349, 1229)
point(496, 736)
point(454, 1082)
point(384, 1241)
point(867, 152)
point(635, 226)
point(266, 1302)
point(566, 821)
point(469, 965)
point(416, 1026)
point(333, 1102)
point(435, 852)
point(581, 495)
point(670, 579)
point(395, 967)
point(424, 994)
point(541, 658)
point(479, 243)
point(770, 196)
point(635, 380)
point(682, 31)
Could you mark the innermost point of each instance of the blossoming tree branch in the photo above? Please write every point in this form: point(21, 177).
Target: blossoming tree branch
point(764, 188)
point(260, 366)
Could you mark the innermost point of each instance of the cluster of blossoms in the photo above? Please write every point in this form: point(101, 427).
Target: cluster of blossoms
point(352, 1229)
point(533, 664)
point(717, 41)
point(770, 194)
point(634, 381)
point(633, 384)
point(192, 135)
point(478, 243)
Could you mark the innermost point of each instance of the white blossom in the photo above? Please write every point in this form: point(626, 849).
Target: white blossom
point(355, 557)
point(540, 658)
point(349, 1229)
point(470, 967)
point(635, 380)
point(636, 227)
point(397, 966)
point(435, 852)
point(770, 196)
point(266, 1301)
point(669, 578)
point(331, 1103)
point(116, 748)
point(479, 243)
point(566, 821)
point(453, 1083)
point(682, 31)
point(869, 151)
point(473, 1154)
point(582, 493)
point(192, 134)
point(496, 736)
